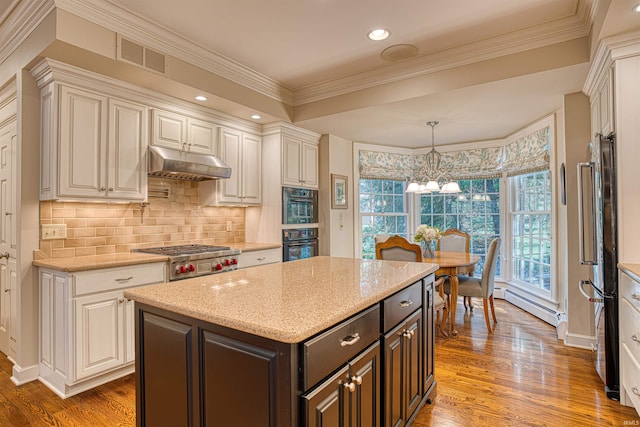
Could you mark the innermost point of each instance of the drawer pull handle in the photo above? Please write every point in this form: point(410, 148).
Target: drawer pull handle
point(635, 391)
point(350, 386)
point(635, 338)
point(406, 303)
point(350, 340)
point(124, 279)
point(635, 296)
point(261, 258)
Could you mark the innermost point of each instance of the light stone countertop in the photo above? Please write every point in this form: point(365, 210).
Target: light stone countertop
point(631, 269)
point(248, 247)
point(287, 302)
point(94, 262)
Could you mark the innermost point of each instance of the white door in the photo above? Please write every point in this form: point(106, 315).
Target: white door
point(99, 333)
point(291, 167)
point(251, 169)
point(8, 285)
point(127, 148)
point(310, 165)
point(202, 137)
point(231, 153)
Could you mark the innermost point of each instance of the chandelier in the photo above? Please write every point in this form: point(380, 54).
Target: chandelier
point(434, 174)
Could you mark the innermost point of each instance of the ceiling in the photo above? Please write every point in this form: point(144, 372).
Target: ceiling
point(484, 69)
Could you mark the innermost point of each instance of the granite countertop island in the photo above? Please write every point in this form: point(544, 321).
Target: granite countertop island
point(286, 302)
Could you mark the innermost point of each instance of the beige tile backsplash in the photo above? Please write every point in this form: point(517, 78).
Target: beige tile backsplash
point(107, 228)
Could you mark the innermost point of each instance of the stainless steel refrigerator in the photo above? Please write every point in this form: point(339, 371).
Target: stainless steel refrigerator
point(598, 247)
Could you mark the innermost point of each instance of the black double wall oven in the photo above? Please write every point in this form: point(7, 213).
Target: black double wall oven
point(299, 208)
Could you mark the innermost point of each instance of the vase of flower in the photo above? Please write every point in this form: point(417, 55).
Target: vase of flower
point(426, 235)
point(427, 249)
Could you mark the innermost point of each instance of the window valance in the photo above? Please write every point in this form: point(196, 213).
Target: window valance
point(525, 155)
point(528, 154)
point(382, 165)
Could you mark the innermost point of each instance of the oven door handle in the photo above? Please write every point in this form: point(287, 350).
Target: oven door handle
point(300, 199)
point(300, 244)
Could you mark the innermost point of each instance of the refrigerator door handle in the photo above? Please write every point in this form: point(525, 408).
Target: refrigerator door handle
point(586, 295)
point(587, 235)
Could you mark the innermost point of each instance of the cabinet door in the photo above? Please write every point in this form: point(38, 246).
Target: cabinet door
point(428, 336)
point(291, 167)
point(365, 401)
point(251, 169)
point(310, 165)
point(98, 323)
point(127, 150)
point(82, 143)
point(169, 130)
point(413, 363)
point(325, 405)
point(202, 137)
point(394, 377)
point(129, 331)
point(231, 153)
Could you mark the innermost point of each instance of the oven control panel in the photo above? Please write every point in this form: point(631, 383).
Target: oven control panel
point(202, 267)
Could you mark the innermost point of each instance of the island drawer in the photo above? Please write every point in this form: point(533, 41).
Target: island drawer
point(630, 290)
point(331, 349)
point(398, 306)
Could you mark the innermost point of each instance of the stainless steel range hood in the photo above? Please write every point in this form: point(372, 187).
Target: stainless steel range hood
point(169, 163)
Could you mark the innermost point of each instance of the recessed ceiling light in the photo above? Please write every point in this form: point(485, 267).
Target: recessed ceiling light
point(256, 116)
point(636, 8)
point(378, 34)
point(201, 98)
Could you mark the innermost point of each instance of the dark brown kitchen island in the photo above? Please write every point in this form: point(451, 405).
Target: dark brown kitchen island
point(321, 341)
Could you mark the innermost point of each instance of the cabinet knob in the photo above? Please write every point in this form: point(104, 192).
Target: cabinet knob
point(350, 386)
point(261, 258)
point(5, 255)
point(635, 391)
point(8, 213)
point(357, 379)
point(121, 300)
point(110, 188)
point(7, 290)
point(102, 188)
point(635, 296)
point(350, 340)
point(635, 338)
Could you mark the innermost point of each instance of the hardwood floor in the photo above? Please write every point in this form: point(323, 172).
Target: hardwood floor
point(519, 376)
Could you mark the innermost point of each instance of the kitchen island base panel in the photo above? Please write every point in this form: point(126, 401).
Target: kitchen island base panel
point(190, 372)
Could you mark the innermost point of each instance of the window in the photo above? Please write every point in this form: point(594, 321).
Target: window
point(531, 230)
point(382, 211)
point(476, 210)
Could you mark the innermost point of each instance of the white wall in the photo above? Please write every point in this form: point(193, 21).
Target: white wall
point(336, 225)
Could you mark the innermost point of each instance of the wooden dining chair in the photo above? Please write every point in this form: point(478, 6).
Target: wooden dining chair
point(481, 287)
point(397, 248)
point(454, 240)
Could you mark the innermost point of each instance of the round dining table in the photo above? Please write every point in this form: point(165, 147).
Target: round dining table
point(451, 264)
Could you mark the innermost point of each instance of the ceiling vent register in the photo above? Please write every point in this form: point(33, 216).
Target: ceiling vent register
point(139, 55)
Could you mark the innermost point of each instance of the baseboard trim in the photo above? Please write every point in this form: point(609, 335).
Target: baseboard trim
point(580, 341)
point(25, 375)
point(541, 312)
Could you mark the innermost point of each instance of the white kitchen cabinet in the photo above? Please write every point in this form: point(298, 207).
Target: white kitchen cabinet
point(629, 338)
point(259, 257)
point(602, 112)
point(299, 163)
point(181, 132)
point(93, 145)
point(243, 153)
point(87, 325)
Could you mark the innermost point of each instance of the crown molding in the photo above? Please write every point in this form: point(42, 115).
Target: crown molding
point(288, 129)
point(141, 30)
point(558, 31)
point(17, 23)
point(609, 50)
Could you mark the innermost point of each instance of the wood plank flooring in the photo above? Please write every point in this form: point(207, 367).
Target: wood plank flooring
point(519, 376)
